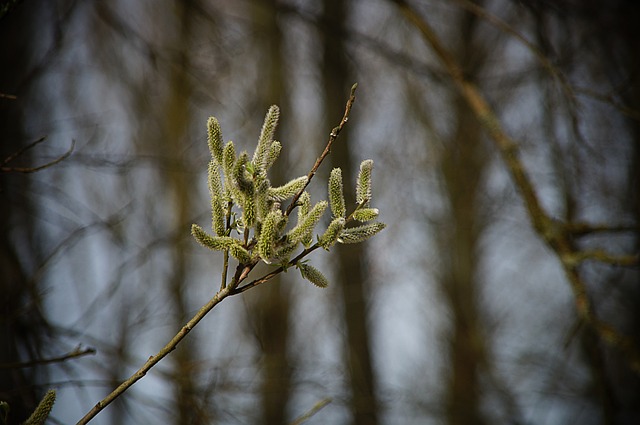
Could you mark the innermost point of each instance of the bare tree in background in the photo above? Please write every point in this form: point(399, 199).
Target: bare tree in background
point(133, 82)
point(269, 310)
point(26, 335)
point(351, 276)
point(463, 166)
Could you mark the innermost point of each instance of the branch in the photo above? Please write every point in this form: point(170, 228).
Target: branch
point(153, 360)
point(275, 272)
point(332, 137)
point(33, 169)
point(241, 273)
point(314, 409)
point(77, 352)
point(544, 225)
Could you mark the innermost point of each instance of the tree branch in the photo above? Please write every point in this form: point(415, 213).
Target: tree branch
point(241, 273)
point(332, 137)
point(552, 233)
point(77, 352)
point(25, 170)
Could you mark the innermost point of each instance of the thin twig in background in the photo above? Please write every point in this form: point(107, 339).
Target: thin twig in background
point(77, 352)
point(551, 231)
point(27, 170)
point(314, 409)
point(332, 137)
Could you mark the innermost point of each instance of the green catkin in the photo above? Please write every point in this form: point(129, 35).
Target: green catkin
point(214, 139)
point(365, 214)
point(313, 275)
point(360, 233)
point(336, 193)
point(303, 231)
point(363, 186)
point(260, 156)
point(274, 153)
point(268, 233)
point(40, 415)
point(330, 236)
point(288, 190)
point(242, 199)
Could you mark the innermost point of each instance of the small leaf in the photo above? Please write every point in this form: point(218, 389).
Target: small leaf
point(363, 186)
point(330, 236)
point(214, 139)
point(336, 193)
point(360, 233)
point(313, 275)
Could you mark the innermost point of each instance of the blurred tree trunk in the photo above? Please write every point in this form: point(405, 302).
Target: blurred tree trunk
point(463, 164)
point(23, 327)
point(606, 40)
point(176, 121)
point(270, 305)
point(350, 273)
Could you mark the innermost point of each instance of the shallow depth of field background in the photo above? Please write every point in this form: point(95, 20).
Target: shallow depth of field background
point(457, 313)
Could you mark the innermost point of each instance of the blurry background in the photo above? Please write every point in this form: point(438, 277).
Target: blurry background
point(457, 313)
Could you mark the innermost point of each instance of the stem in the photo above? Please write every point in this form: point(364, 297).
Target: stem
point(275, 272)
point(225, 266)
point(332, 137)
point(241, 273)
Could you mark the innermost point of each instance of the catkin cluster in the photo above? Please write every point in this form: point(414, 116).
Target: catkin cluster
point(248, 220)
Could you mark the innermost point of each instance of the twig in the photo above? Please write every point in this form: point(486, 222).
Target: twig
point(77, 352)
point(553, 234)
point(153, 360)
point(332, 137)
point(314, 409)
point(275, 272)
point(34, 169)
point(23, 150)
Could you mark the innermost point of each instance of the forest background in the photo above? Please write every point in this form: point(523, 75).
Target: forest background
point(506, 142)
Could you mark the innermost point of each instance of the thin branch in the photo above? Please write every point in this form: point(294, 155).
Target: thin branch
point(34, 169)
point(275, 272)
point(553, 234)
point(23, 150)
point(153, 360)
point(291, 263)
point(603, 257)
point(225, 266)
point(332, 137)
point(77, 352)
point(314, 409)
point(582, 229)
